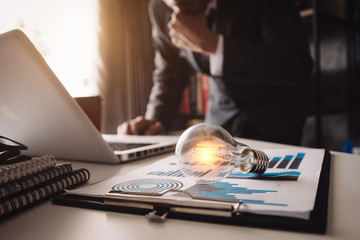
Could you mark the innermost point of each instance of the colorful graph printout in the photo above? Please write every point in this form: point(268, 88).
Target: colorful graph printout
point(287, 188)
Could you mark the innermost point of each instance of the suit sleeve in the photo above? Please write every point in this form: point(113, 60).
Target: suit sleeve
point(268, 78)
point(172, 71)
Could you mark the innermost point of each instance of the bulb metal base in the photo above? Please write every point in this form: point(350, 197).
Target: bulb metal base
point(261, 162)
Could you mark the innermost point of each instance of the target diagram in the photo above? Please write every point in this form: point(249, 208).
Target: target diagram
point(148, 185)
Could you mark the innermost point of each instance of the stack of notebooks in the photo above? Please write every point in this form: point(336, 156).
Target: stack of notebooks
point(26, 181)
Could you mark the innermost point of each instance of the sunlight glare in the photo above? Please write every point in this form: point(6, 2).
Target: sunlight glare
point(64, 32)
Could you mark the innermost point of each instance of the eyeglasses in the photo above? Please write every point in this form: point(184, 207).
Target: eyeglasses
point(10, 151)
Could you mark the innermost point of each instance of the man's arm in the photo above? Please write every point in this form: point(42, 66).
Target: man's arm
point(266, 62)
point(170, 77)
point(172, 71)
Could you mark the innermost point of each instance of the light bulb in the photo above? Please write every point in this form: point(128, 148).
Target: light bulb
point(207, 153)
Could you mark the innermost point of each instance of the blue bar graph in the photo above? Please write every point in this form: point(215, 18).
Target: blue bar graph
point(228, 190)
point(274, 161)
point(296, 163)
point(292, 162)
point(289, 175)
point(285, 161)
point(176, 173)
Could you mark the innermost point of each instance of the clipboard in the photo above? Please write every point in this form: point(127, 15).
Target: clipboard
point(218, 211)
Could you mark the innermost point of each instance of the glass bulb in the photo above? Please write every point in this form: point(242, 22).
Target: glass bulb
point(207, 153)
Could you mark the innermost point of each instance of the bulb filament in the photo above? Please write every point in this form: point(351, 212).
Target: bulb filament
point(210, 154)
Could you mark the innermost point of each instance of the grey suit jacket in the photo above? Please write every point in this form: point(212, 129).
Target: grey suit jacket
point(265, 70)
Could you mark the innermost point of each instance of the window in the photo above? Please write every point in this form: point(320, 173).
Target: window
point(64, 32)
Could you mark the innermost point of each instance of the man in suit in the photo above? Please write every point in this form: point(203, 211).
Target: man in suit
point(256, 53)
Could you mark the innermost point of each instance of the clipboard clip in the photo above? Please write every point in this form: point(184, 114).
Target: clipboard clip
point(157, 215)
point(160, 206)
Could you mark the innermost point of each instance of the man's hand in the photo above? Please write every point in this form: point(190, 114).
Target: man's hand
point(190, 32)
point(141, 126)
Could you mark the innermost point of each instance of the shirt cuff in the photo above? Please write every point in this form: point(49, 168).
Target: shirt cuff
point(216, 61)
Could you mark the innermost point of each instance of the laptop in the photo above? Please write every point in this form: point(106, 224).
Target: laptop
point(36, 110)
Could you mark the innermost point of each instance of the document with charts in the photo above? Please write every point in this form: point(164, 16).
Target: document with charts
point(287, 188)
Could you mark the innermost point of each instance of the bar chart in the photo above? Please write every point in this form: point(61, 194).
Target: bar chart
point(288, 175)
point(289, 184)
point(176, 173)
point(287, 162)
point(227, 190)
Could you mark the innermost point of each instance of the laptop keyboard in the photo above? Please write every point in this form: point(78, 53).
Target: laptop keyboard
point(126, 146)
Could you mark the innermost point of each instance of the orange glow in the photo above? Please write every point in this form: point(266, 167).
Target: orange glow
point(209, 154)
point(210, 145)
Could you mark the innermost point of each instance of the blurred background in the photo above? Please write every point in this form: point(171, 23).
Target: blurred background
point(102, 50)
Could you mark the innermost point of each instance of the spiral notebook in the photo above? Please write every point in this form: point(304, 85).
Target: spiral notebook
point(275, 200)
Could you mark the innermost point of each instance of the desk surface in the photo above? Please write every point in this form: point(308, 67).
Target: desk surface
point(48, 221)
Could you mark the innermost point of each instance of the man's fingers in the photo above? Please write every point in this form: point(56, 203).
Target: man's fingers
point(124, 129)
point(138, 125)
point(178, 39)
point(132, 127)
point(154, 129)
point(191, 32)
point(180, 36)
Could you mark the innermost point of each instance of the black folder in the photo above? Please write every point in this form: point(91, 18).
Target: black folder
point(315, 224)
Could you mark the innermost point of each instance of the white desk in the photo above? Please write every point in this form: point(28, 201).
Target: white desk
point(48, 221)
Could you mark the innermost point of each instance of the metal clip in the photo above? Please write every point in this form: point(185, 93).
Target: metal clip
point(157, 216)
